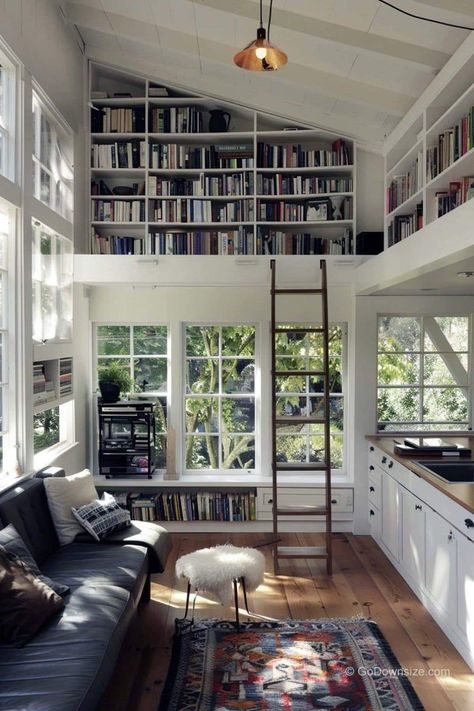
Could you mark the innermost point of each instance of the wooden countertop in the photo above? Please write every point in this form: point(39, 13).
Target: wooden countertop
point(463, 494)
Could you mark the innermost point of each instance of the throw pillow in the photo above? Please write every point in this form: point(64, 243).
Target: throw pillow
point(14, 544)
point(101, 517)
point(63, 493)
point(26, 603)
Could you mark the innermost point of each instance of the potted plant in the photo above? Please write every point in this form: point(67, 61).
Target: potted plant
point(113, 381)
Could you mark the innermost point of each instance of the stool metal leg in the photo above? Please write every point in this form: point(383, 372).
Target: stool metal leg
point(244, 590)
point(236, 602)
point(182, 624)
point(188, 593)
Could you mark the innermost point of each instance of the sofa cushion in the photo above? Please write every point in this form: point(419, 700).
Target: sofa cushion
point(67, 665)
point(26, 603)
point(14, 544)
point(102, 517)
point(65, 492)
point(97, 564)
point(26, 507)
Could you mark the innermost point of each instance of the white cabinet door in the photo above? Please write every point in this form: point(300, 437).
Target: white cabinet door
point(413, 537)
point(466, 590)
point(391, 515)
point(441, 563)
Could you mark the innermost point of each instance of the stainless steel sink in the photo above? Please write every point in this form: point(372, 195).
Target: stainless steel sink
point(459, 472)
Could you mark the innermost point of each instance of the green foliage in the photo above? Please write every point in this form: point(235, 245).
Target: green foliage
point(46, 429)
point(115, 373)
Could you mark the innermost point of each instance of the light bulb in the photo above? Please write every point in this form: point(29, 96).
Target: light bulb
point(261, 52)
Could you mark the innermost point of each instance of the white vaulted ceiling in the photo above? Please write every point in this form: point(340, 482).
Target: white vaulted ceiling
point(355, 66)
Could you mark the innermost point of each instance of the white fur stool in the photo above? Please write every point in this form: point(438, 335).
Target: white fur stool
point(219, 569)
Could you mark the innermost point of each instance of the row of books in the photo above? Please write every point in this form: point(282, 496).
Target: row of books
point(303, 243)
point(118, 210)
point(457, 193)
point(101, 187)
point(402, 226)
point(404, 186)
point(115, 244)
point(452, 143)
point(43, 388)
point(230, 242)
point(65, 377)
point(173, 155)
point(187, 210)
point(204, 185)
point(118, 120)
point(300, 185)
point(121, 154)
point(291, 155)
point(283, 211)
point(190, 506)
point(182, 119)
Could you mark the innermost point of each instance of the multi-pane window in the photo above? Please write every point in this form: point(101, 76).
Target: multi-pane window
point(142, 351)
point(302, 395)
point(52, 285)
point(423, 366)
point(5, 231)
point(219, 398)
point(7, 117)
point(52, 160)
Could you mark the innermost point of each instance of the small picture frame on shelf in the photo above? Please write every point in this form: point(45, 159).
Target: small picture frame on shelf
point(318, 210)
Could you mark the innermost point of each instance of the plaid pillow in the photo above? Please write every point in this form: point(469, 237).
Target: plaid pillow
point(102, 516)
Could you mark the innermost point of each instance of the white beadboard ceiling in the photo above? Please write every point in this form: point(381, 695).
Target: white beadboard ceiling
point(355, 66)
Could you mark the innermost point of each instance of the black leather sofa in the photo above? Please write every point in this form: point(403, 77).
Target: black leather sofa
point(68, 664)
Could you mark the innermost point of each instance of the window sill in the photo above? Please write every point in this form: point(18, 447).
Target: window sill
point(49, 456)
point(8, 481)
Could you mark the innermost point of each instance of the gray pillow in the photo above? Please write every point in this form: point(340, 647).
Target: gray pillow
point(102, 516)
point(14, 544)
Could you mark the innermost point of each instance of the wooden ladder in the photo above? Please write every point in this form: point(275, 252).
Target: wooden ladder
point(279, 552)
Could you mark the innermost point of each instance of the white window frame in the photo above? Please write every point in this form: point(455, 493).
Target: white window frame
point(222, 473)
point(421, 387)
point(344, 394)
point(9, 81)
point(66, 434)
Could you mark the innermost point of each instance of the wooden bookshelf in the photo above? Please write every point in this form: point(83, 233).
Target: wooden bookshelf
point(438, 132)
point(52, 383)
point(235, 152)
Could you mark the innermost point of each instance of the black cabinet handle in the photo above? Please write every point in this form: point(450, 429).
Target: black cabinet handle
point(333, 501)
point(418, 507)
point(372, 512)
point(371, 488)
point(270, 501)
point(384, 459)
point(371, 468)
point(469, 522)
point(371, 449)
point(390, 464)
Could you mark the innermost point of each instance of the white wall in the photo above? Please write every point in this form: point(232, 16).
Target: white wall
point(370, 191)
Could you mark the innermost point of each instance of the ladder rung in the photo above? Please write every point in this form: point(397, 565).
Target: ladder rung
point(299, 330)
point(298, 291)
point(299, 372)
point(301, 552)
point(300, 420)
point(303, 511)
point(300, 466)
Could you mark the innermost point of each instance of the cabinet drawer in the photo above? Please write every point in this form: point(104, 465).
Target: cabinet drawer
point(375, 491)
point(375, 522)
point(342, 501)
point(376, 456)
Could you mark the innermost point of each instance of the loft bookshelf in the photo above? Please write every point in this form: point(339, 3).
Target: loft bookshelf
point(429, 158)
point(162, 183)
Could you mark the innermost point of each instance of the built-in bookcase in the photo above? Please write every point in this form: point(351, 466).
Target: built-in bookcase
point(429, 161)
point(162, 181)
point(52, 383)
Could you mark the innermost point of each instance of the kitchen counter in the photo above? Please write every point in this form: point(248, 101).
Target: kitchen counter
point(463, 494)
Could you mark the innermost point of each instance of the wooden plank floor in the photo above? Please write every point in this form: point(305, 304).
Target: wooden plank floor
point(363, 582)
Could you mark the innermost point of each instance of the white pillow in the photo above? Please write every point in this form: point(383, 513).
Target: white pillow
point(63, 493)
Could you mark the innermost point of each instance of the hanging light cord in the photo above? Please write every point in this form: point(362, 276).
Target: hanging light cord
point(425, 19)
point(261, 13)
point(269, 19)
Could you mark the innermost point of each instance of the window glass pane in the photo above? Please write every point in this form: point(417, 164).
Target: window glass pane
point(445, 404)
point(400, 334)
point(454, 329)
point(150, 340)
point(238, 375)
point(398, 369)
point(202, 340)
point(439, 370)
point(399, 405)
point(202, 375)
point(113, 340)
point(238, 452)
point(202, 452)
point(292, 448)
point(202, 414)
point(238, 414)
point(151, 374)
point(238, 340)
point(46, 429)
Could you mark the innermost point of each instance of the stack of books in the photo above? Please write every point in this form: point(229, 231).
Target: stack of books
point(187, 506)
point(453, 143)
point(121, 154)
point(403, 226)
point(279, 184)
point(185, 210)
point(118, 210)
point(212, 185)
point(404, 186)
point(65, 377)
point(43, 389)
point(274, 242)
point(118, 120)
point(227, 243)
point(457, 194)
point(292, 155)
point(175, 155)
point(184, 119)
point(115, 244)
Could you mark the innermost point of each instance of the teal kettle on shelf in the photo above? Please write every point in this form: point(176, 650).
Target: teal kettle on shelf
point(219, 121)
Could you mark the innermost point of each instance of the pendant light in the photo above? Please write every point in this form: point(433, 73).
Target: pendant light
point(261, 55)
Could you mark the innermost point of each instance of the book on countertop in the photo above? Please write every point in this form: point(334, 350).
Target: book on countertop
point(430, 446)
point(99, 95)
point(157, 91)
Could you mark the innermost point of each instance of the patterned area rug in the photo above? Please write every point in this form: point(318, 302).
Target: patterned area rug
point(344, 665)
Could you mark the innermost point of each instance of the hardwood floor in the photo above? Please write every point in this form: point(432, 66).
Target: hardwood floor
point(363, 582)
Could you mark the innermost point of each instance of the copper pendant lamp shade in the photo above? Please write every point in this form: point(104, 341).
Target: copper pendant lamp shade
point(261, 55)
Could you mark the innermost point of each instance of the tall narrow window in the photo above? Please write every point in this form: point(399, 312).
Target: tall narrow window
point(6, 236)
point(423, 366)
point(303, 395)
point(220, 397)
point(7, 117)
point(52, 285)
point(142, 351)
point(52, 160)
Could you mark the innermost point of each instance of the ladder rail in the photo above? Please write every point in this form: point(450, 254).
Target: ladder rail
point(318, 466)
